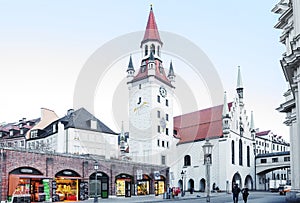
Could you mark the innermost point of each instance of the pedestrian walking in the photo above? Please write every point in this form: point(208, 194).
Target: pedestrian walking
point(245, 193)
point(235, 193)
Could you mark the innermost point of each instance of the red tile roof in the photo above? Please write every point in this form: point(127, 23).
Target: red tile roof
point(199, 125)
point(151, 32)
point(262, 133)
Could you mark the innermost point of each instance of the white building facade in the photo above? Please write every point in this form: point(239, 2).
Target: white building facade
point(229, 130)
point(289, 23)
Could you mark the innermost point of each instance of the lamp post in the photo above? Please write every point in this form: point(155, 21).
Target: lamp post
point(207, 149)
point(182, 176)
point(96, 168)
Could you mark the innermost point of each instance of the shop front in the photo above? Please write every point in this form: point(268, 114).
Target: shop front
point(143, 185)
point(66, 186)
point(27, 184)
point(159, 185)
point(123, 185)
point(101, 179)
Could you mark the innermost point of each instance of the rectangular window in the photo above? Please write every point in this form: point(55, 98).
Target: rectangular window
point(158, 144)
point(167, 117)
point(167, 144)
point(140, 86)
point(163, 160)
point(22, 143)
point(158, 114)
point(287, 158)
point(158, 98)
point(167, 131)
point(263, 161)
point(274, 160)
point(158, 129)
point(175, 132)
point(167, 102)
point(163, 143)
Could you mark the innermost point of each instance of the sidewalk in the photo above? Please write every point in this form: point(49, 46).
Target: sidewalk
point(153, 198)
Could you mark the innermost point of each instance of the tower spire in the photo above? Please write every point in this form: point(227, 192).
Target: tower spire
point(151, 32)
point(252, 127)
point(239, 87)
point(239, 79)
point(130, 70)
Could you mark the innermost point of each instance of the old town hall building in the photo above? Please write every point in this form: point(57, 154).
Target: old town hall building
point(158, 137)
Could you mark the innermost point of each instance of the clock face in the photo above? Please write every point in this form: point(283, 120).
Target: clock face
point(163, 91)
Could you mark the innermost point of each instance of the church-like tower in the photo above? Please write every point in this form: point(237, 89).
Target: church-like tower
point(151, 93)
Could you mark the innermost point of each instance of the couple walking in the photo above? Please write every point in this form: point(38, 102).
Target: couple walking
point(236, 191)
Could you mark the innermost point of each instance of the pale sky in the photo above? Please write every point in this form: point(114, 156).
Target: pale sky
point(45, 44)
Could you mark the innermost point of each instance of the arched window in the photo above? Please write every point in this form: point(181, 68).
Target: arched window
point(152, 49)
point(146, 50)
point(248, 156)
point(232, 152)
point(187, 160)
point(240, 152)
point(158, 50)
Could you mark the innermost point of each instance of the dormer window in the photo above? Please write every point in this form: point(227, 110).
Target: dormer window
point(21, 131)
point(20, 125)
point(11, 133)
point(54, 127)
point(33, 134)
point(93, 124)
point(1, 134)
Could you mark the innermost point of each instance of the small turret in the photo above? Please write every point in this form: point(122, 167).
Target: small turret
point(122, 140)
point(130, 70)
point(225, 117)
point(239, 87)
point(171, 75)
point(252, 127)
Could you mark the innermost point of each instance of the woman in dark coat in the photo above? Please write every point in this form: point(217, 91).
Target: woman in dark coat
point(245, 193)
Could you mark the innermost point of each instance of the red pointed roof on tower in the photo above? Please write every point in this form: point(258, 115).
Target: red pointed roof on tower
point(151, 32)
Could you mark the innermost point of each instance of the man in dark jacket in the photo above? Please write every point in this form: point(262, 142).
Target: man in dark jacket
point(235, 192)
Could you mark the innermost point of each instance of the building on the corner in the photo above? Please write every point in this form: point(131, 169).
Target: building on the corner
point(289, 23)
point(267, 143)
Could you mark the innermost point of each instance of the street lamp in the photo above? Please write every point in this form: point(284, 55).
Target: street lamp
point(207, 149)
point(182, 176)
point(96, 168)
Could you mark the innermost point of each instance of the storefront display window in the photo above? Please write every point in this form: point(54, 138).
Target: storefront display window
point(67, 185)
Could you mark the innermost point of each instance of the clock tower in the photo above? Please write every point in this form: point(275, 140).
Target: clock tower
point(151, 93)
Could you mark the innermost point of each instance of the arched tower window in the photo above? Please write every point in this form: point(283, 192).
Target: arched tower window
point(187, 160)
point(240, 152)
point(158, 50)
point(232, 152)
point(248, 156)
point(146, 50)
point(152, 49)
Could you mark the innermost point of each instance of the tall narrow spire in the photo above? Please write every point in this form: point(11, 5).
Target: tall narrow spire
point(239, 87)
point(252, 126)
point(130, 65)
point(151, 32)
point(225, 113)
point(239, 79)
